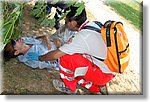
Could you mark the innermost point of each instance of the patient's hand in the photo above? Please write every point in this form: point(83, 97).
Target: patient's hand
point(49, 45)
point(57, 43)
point(46, 40)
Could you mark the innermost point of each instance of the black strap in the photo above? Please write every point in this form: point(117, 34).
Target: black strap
point(108, 40)
point(125, 49)
point(96, 58)
point(98, 23)
point(92, 28)
point(99, 58)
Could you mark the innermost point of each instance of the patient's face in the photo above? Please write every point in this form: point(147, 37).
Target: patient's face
point(18, 45)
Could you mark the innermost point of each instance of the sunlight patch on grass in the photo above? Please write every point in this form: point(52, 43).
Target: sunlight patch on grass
point(129, 9)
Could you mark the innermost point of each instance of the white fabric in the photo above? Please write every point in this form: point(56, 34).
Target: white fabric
point(88, 42)
point(80, 71)
point(88, 85)
point(41, 48)
point(66, 70)
point(81, 81)
point(66, 77)
point(63, 34)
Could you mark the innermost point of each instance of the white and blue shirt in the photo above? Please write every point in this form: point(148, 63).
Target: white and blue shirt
point(41, 48)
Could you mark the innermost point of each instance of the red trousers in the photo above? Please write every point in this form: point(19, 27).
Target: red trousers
point(93, 78)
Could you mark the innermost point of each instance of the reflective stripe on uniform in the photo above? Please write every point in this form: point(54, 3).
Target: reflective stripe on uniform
point(88, 85)
point(81, 81)
point(66, 70)
point(66, 77)
point(80, 71)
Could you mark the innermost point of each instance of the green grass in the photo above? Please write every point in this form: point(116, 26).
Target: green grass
point(129, 9)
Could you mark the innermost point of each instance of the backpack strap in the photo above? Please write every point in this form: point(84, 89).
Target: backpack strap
point(98, 23)
point(100, 59)
point(108, 40)
point(94, 28)
point(106, 25)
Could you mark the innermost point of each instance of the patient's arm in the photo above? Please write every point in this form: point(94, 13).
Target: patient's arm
point(46, 39)
point(57, 43)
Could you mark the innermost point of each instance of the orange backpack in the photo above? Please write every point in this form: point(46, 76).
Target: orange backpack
point(117, 43)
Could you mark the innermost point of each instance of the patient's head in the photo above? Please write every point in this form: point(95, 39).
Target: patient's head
point(14, 48)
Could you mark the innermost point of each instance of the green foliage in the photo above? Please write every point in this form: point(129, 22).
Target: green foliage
point(46, 20)
point(80, 7)
point(11, 20)
point(13, 14)
point(40, 10)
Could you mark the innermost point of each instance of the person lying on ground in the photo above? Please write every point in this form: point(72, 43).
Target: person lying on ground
point(41, 45)
point(24, 46)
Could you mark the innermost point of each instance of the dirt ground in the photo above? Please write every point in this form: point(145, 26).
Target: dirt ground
point(21, 79)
